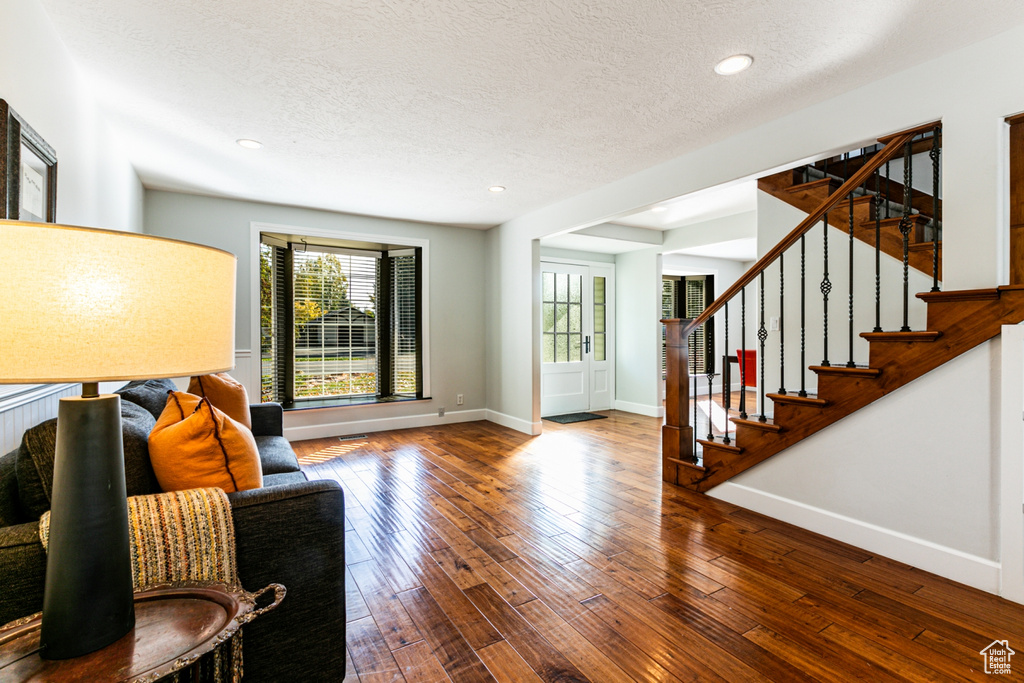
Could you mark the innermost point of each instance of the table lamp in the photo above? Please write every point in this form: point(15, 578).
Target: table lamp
point(88, 305)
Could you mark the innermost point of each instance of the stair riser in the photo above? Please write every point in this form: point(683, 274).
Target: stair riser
point(790, 413)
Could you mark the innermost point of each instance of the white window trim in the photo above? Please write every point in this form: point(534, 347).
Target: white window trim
point(255, 228)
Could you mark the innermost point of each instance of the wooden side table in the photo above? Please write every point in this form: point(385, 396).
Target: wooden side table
point(175, 625)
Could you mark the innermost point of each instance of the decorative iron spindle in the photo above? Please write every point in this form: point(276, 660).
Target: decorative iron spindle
point(888, 189)
point(877, 215)
point(933, 154)
point(850, 363)
point(826, 287)
point(905, 226)
point(726, 385)
point(782, 324)
point(762, 335)
point(743, 353)
point(803, 327)
point(711, 396)
point(694, 430)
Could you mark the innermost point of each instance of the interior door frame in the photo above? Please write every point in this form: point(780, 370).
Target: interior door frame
point(609, 270)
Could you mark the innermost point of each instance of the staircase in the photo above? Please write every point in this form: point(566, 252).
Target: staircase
point(957, 321)
point(791, 187)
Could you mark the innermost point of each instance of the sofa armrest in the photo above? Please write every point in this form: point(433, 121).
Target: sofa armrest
point(294, 535)
point(267, 419)
point(22, 571)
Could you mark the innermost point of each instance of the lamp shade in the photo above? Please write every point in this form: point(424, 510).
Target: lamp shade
point(88, 305)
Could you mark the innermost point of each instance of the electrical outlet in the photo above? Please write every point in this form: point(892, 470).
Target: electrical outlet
point(773, 323)
point(458, 399)
point(440, 412)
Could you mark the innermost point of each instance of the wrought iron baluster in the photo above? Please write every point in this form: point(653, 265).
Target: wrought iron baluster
point(933, 154)
point(826, 287)
point(762, 335)
point(850, 363)
point(782, 324)
point(711, 396)
point(888, 189)
point(726, 379)
point(905, 226)
point(693, 365)
point(803, 326)
point(743, 353)
point(877, 211)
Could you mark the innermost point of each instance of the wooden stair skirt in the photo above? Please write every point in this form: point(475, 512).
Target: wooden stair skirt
point(957, 322)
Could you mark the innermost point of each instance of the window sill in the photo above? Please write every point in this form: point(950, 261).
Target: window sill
point(349, 402)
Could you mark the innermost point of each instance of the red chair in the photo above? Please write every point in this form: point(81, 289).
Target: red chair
point(747, 361)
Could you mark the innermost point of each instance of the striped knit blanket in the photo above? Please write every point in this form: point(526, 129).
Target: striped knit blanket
point(183, 536)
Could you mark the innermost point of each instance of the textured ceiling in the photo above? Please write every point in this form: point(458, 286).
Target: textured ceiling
point(412, 108)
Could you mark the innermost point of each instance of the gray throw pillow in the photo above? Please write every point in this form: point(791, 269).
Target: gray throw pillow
point(34, 467)
point(151, 394)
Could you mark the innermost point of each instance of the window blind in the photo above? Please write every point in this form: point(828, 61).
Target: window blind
point(339, 323)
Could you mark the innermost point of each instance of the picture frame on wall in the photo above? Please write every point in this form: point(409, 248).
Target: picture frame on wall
point(28, 171)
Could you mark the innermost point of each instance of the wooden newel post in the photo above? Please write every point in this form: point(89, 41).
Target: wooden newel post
point(677, 432)
point(1016, 199)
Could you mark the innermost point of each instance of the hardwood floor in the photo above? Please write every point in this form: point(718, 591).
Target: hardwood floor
point(476, 553)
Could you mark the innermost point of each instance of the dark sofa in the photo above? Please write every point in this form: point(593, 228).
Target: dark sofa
point(291, 531)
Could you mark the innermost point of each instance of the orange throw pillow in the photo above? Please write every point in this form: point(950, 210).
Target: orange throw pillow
point(225, 394)
point(195, 445)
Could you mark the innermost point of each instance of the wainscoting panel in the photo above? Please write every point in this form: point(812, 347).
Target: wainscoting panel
point(29, 409)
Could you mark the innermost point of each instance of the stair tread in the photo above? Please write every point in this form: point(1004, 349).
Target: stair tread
point(720, 446)
point(753, 423)
point(913, 336)
point(959, 295)
point(687, 463)
point(809, 399)
point(923, 246)
point(859, 371)
point(813, 185)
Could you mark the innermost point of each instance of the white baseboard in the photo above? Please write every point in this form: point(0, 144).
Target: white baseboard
point(972, 570)
point(320, 431)
point(640, 409)
point(524, 426)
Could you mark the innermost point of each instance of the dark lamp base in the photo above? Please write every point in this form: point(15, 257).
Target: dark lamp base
point(88, 602)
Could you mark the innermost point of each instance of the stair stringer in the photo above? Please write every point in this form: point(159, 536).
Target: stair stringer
point(965, 319)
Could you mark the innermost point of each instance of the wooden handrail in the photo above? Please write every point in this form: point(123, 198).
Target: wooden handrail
point(894, 145)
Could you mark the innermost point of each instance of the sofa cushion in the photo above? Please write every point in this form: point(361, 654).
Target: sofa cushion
point(195, 445)
point(226, 394)
point(151, 394)
point(34, 464)
point(283, 479)
point(276, 455)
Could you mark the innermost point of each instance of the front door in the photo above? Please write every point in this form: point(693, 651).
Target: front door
point(576, 339)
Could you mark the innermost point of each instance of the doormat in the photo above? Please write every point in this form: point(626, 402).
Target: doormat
point(574, 417)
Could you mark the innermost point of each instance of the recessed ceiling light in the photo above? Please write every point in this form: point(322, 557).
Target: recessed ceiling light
point(249, 144)
point(660, 208)
point(496, 188)
point(733, 65)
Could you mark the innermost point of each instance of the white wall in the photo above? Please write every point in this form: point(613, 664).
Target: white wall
point(913, 476)
point(638, 332)
point(456, 303)
point(96, 186)
point(960, 88)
